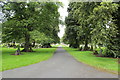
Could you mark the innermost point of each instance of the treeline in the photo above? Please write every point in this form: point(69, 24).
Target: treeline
point(94, 24)
point(28, 23)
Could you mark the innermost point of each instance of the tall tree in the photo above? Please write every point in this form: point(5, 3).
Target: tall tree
point(98, 24)
point(23, 17)
point(71, 31)
point(105, 28)
point(82, 12)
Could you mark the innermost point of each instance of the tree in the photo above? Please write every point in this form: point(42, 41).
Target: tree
point(82, 12)
point(23, 17)
point(71, 30)
point(42, 39)
point(79, 13)
point(98, 25)
point(114, 42)
point(105, 27)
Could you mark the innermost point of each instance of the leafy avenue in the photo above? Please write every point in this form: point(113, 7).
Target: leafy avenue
point(30, 33)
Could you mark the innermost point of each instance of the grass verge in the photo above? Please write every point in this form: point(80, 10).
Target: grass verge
point(101, 63)
point(28, 58)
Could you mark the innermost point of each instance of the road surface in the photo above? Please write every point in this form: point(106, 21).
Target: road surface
point(61, 65)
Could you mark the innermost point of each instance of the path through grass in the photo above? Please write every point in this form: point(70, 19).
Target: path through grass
point(105, 64)
point(28, 58)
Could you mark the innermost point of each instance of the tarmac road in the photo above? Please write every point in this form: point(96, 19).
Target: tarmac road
point(61, 65)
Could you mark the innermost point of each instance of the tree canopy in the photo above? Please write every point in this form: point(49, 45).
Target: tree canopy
point(94, 23)
point(22, 18)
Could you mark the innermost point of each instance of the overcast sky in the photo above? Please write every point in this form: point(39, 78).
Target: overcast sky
point(63, 14)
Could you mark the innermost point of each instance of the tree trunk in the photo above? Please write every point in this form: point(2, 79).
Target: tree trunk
point(47, 45)
point(14, 45)
point(86, 46)
point(74, 45)
point(101, 52)
point(33, 44)
point(91, 48)
point(27, 46)
point(18, 52)
point(95, 46)
point(70, 45)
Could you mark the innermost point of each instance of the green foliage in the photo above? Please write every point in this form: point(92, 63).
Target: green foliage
point(41, 38)
point(106, 27)
point(71, 30)
point(98, 24)
point(22, 18)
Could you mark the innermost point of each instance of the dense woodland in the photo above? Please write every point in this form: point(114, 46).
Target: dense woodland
point(94, 24)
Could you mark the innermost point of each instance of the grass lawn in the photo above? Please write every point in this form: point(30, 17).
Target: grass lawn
point(101, 63)
point(13, 61)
